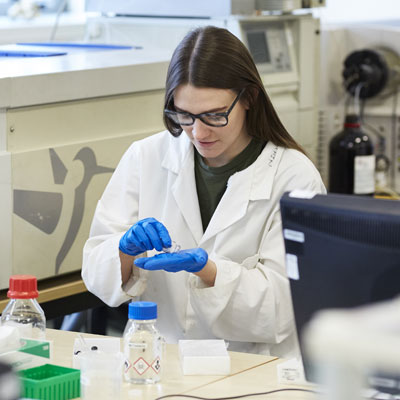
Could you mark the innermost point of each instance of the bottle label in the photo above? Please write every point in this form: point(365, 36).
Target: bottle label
point(381, 179)
point(139, 346)
point(143, 354)
point(364, 174)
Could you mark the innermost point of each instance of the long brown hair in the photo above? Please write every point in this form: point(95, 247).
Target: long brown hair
point(215, 58)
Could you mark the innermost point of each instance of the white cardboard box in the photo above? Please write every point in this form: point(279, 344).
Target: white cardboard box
point(204, 357)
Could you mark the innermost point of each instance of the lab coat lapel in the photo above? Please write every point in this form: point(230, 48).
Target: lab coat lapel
point(252, 184)
point(231, 207)
point(184, 187)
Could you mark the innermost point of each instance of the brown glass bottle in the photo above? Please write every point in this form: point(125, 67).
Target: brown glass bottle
point(351, 160)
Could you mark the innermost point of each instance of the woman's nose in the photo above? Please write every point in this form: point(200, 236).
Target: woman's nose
point(199, 129)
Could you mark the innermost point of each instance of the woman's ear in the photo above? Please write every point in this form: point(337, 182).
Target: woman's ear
point(250, 96)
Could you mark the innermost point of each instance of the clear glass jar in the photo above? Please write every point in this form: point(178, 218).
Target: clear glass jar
point(23, 311)
point(143, 344)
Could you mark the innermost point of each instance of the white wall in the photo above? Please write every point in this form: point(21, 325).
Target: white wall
point(70, 28)
point(337, 11)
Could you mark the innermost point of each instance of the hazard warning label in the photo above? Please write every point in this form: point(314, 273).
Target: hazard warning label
point(156, 365)
point(141, 366)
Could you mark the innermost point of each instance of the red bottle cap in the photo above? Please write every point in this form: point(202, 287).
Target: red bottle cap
point(352, 121)
point(22, 287)
point(351, 125)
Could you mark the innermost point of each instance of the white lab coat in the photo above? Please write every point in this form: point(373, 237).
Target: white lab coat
point(249, 305)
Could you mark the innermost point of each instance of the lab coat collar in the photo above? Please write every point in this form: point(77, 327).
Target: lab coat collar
point(264, 171)
point(180, 149)
point(252, 184)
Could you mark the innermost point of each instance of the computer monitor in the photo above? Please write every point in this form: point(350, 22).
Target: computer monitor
point(341, 251)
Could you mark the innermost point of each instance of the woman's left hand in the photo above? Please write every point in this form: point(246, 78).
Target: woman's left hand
point(191, 260)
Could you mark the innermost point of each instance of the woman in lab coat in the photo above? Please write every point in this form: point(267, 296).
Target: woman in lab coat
point(213, 189)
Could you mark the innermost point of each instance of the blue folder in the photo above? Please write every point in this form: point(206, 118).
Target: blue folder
point(87, 46)
point(33, 53)
point(48, 49)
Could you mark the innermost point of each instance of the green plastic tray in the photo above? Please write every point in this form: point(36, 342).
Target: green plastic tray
point(50, 382)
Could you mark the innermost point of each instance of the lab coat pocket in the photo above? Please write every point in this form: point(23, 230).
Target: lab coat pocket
point(251, 262)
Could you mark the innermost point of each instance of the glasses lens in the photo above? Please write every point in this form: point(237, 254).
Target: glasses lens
point(214, 119)
point(180, 118)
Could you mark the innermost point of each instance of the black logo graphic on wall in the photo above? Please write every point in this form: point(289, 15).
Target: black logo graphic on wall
point(43, 209)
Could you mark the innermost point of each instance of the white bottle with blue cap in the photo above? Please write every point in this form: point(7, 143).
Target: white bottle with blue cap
point(143, 344)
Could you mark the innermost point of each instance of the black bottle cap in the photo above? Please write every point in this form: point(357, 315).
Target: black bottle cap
point(352, 121)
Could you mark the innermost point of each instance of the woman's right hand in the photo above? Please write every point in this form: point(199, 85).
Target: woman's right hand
point(146, 234)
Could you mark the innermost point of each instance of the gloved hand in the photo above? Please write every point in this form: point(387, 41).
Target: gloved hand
point(191, 260)
point(146, 234)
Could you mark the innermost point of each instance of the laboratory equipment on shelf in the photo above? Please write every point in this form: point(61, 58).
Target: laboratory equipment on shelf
point(360, 73)
point(352, 160)
point(371, 72)
point(23, 311)
point(196, 9)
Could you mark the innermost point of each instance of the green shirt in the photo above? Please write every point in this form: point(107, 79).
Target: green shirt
point(211, 181)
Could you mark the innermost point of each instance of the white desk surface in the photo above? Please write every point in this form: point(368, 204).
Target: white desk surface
point(41, 80)
point(262, 378)
point(249, 373)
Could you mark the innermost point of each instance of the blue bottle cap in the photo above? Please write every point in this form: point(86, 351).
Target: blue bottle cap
point(142, 310)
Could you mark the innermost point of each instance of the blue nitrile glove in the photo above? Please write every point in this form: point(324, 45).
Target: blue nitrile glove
point(191, 260)
point(146, 234)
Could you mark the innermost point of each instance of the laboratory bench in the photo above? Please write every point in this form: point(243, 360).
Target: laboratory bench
point(65, 122)
point(250, 373)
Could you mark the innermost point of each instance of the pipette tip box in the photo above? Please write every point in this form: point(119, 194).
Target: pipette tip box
point(50, 382)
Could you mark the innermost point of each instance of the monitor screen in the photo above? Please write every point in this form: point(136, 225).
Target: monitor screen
point(341, 251)
point(258, 46)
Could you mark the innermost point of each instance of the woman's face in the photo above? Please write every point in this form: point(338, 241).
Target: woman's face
point(217, 145)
